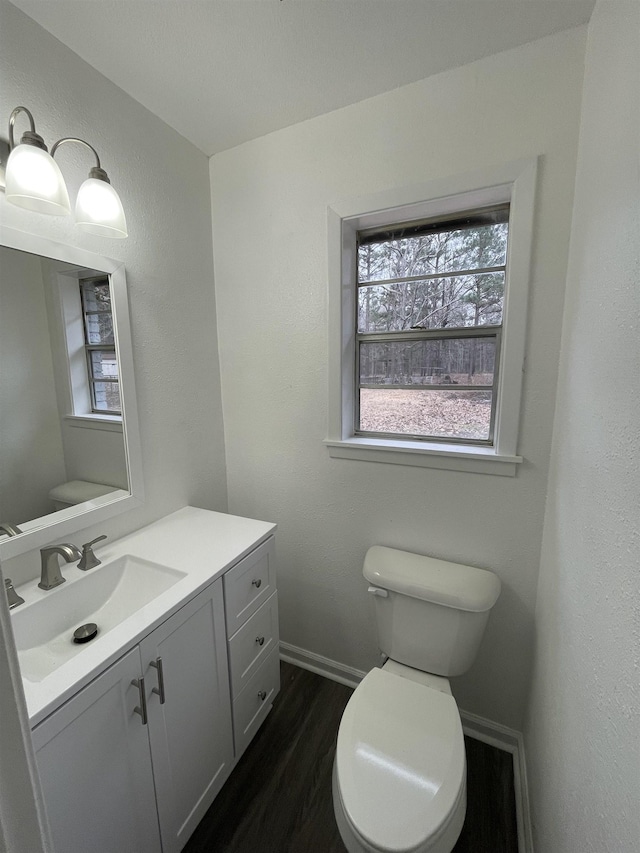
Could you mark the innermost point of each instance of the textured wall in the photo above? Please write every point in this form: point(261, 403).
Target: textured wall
point(31, 450)
point(583, 731)
point(21, 814)
point(269, 202)
point(163, 182)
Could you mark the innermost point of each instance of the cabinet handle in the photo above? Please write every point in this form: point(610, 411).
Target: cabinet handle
point(262, 695)
point(260, 641)
point(141, 709)
point(257, 582)
point(159, 690)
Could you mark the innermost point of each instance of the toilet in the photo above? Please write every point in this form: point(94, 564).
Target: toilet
point(399, 774)
point(76, 492)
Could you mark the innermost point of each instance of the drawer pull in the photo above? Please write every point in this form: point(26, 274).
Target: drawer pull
point(141, 709)
point(262, 695)
point(260, 641)
point(159, 690)
point(257, 582)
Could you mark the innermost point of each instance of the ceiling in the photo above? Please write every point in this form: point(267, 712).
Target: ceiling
point(222, 72)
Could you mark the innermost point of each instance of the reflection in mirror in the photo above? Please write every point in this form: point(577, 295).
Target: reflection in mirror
point(62, 441)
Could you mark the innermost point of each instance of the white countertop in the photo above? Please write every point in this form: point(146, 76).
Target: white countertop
point(201, 543)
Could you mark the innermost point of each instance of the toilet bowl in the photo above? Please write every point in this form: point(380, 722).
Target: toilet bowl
point(399, 774)
point(399, 777)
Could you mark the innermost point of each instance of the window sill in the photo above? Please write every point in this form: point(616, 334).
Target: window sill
point(107, 423)
point(450, 457)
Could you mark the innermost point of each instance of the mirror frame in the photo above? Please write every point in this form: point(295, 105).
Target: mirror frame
point(63, 522)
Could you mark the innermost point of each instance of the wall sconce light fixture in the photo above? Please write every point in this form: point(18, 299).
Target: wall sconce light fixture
point(34, 181)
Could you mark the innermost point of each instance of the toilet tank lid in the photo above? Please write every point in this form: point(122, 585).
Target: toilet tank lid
point(78, 491)
point(438, 581)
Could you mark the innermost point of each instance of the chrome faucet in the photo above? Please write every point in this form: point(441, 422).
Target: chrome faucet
point(12, 596)
point(9, 529)
point(51, 575)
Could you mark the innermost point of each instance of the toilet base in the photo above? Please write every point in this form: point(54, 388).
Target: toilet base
point(443, 842)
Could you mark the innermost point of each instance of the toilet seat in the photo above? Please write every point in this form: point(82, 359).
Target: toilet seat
point(400, 771)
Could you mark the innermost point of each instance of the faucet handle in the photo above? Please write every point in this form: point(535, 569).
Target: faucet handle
point(12, 596)
point(89, 559)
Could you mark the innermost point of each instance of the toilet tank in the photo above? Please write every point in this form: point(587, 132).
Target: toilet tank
point(76, 492)
point(431, 614)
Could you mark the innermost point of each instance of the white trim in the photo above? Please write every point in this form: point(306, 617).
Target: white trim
point(107, 423)
point(479, 460)
point(321, 665)
point(495, 734)
point(44, 530)
point(514, 182)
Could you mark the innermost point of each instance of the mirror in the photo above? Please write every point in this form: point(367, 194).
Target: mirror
point(69, 442)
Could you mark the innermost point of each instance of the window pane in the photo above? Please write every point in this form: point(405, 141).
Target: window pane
point(104, 364)
point(96, 296)
point(459, 361)
point(107, 396)
point(466, 249)
point(441, 414)
point(437, 303)
point(99, 328)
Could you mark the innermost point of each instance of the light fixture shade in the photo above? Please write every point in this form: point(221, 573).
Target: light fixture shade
point(34, 181)
point(99, 209)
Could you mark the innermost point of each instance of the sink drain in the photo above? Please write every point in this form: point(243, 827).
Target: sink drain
point(85, 633)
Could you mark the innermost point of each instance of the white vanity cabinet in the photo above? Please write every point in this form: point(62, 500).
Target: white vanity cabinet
point(121, 757)
point(131, 763)
point(132, 760)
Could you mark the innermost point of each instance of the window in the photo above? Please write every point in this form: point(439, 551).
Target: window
point(428, 292)
point(99, 345)
point(428, 324)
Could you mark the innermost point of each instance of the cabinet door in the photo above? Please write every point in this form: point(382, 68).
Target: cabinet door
point(95, 766)
point(190, 732)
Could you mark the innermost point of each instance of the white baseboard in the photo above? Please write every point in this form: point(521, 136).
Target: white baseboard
point(321, 665)
point(487, 731)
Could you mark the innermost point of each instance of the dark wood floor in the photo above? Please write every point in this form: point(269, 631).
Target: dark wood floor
point(278, 798)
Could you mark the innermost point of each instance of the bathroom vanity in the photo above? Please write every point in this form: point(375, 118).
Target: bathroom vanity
point(136, 731)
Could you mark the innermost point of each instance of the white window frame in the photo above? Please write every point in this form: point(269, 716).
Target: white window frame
point(514, 183)
point(68, 339)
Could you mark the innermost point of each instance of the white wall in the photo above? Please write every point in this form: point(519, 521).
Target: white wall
point(583, 729)
point(31, 451)
point(22, 817)
point(163, 182)
point(94, 454)
point(269, 201)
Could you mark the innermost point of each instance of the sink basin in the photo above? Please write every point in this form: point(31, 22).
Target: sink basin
point(106, 595)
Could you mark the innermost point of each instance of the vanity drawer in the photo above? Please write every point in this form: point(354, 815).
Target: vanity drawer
point(248, 585)
point(252, 644)
point(254, 703)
